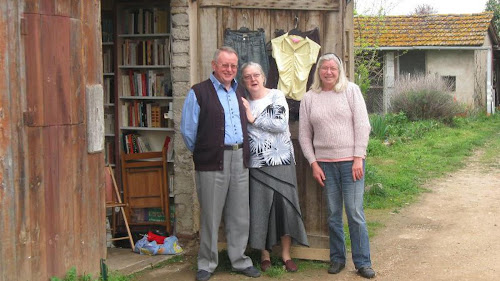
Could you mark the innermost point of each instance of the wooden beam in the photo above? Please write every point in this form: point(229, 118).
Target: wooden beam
point(214, 3)
point(326, 5)
point(297, 252)
point(208, 44)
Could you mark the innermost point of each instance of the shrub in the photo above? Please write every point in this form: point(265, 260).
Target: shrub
point(401, 129)
point(424, 97)
point(379, 126)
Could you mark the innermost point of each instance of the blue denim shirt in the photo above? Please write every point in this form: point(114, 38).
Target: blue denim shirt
point(191, 111)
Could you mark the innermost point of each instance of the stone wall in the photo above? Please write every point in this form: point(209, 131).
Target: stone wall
point(184, 186)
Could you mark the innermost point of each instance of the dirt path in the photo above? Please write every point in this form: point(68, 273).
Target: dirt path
point(451, 233)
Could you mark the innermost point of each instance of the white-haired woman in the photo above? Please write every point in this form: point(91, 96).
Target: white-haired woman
point(274, 204)
point(333, 133)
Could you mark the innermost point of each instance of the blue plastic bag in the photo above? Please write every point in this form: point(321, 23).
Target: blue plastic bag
point(141, 243)
point(170, 246)
point(151, 249)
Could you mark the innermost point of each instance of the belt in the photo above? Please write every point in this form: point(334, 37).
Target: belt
point(233, 146)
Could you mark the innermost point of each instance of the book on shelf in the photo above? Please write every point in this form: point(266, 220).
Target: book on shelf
point(148, 83)
point(107, 29)
point(156, 116)
point(146, 52)
point(135, 143)
point(109, 121)
point(109, 152)
point(143, 114)
point(169, 146)
point(107, 60)
point(144, 144)
point(108, 90)
point(131, 85)
point(145, 21)
point(160, 17)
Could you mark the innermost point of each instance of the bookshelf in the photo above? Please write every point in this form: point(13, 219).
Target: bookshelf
point(144, 83)
point(144, 102)
point(108, 55)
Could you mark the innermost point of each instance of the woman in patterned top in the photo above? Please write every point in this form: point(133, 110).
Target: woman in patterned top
point(274, 205)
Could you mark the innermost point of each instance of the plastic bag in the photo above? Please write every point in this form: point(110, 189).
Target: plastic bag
point(151, 249)
point(155, 237)
point(140, 243)
point(170, 246)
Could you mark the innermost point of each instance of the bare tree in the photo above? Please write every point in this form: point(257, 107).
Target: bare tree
point(424, 9)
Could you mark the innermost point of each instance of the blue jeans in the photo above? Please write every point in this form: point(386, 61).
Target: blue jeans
point(250, 46)
point(341, 189)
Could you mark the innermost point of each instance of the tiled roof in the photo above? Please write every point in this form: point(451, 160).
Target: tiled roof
point(422, 30)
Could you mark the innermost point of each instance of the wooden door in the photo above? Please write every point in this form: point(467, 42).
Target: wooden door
point(334, 21)
point(52, 193)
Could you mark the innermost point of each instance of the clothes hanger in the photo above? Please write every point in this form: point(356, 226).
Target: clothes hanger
point(244, 29)
point(295, 30)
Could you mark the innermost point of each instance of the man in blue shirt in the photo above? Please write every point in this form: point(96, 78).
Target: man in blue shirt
point(214, 128)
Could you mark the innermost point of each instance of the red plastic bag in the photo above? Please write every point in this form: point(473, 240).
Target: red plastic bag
point(155, 237)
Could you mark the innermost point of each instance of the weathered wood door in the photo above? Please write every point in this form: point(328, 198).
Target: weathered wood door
point(52, 196)
point(334, 21)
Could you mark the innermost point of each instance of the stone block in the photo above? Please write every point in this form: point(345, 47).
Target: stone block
point(180, 60)
point(179, 3)
point(181, 89)
point(180, 46)
point(180, 33)
point(180, 75)
point(180, 19)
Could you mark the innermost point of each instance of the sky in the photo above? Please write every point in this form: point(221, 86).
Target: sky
point(405, 7)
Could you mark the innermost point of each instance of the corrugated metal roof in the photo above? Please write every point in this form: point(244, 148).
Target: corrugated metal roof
point(422, 30)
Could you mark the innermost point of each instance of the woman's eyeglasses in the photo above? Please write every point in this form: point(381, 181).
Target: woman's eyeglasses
point(250, 76)
point(332, 69)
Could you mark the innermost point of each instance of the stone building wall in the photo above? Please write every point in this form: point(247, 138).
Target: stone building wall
point(184, 187)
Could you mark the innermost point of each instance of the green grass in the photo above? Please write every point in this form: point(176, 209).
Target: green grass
point(72, 275)
point(395, 174)
point(277, 269)
point(172, 260)
point(397, 169)
point(491, 153)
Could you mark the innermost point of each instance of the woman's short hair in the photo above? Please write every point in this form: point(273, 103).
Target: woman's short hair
point(257, 65)
point(342, 81)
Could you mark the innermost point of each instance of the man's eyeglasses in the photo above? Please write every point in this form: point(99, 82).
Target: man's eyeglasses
point(250, 76)
point(227, 66)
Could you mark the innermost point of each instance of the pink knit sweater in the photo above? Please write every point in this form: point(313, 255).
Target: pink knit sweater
point(333, 125)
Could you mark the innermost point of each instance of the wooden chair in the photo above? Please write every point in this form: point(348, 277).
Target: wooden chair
point(117, 202)
point(145, 185)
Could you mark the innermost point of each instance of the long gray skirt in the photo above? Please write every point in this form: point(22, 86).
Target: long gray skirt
point(274, 207)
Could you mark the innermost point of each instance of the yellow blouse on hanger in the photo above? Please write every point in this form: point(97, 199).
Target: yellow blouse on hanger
point(294, 57)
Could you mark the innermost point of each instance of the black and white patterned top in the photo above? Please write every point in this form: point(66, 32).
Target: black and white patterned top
point(270, 143)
